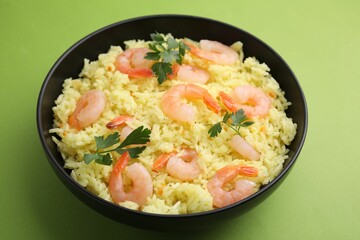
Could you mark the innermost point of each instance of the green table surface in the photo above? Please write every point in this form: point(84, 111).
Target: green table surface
point(320, 40)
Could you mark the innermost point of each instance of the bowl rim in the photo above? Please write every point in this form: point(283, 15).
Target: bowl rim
point(66, 177)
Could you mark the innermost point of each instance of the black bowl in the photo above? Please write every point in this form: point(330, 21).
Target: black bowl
point(71, 63)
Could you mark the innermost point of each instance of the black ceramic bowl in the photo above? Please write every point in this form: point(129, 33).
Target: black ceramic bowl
point(71, 63)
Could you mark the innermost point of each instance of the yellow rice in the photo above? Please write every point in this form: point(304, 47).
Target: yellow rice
point(141, 98)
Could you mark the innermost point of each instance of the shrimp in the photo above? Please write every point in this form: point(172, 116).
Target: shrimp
point(214, 51)
point(243, 188)
point(252, 100)
point(88, 109)
point(133, 63)
point(118, 121)
point(125, 132)
point(188, 73)
point(162, 160)
point(183, 167)
point(173, 107)
point(141, 188)
point(244, 148)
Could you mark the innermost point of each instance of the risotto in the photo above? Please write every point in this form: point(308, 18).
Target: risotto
point(212, 122)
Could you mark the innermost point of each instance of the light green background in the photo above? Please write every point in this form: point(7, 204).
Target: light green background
point(320, 40)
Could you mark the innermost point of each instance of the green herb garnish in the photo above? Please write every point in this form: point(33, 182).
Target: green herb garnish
point(165, 52)
point(238, 119)
point(102, 155)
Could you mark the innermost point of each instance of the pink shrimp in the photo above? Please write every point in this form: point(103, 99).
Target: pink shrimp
point(183, 167)
point(190, 74)
point(252, 100)
point(126, 132)
point(214, 51)
point(133, 63)
point(119, 121)
point(88, 109)
point(141, 188)
point(244, 148)
point(243, 188)
point(173, 107)
point(162, 160)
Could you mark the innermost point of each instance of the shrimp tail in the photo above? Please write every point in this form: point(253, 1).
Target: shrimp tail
point(161, 161)
point(228, 102)
point(247, 171)
point(211, 104)
point(174, 70)
point(191, 44)
point(73, 123)
point(118, 121)
point(121, 163)
point(227, 173)
point(140, 73)
point(194, 48)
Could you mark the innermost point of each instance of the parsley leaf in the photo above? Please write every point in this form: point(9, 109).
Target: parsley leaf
point(169, 56)
point(102, 155)
point(161, 69)
point(157, 37)
point(140, 135)
point(165, 52)
point(153, 56)
point(104, 160)
point(215, 130)
point(246, 124)
point(238, 119)
point(226, 117)
point(108, 141)
point(182, 48)
point(172, 43)
point(89, 157)
point(133, 152)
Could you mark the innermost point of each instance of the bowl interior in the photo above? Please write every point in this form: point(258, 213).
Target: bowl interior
point(196, 28)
